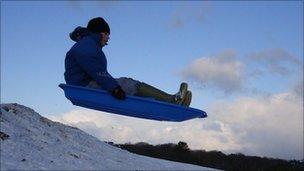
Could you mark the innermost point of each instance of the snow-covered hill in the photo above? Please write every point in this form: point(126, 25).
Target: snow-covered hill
point(30, 141)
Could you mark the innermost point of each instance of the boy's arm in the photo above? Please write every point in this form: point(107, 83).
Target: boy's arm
point(97, 70)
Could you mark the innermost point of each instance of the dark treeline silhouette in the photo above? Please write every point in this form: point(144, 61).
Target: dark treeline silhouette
point(215, 159)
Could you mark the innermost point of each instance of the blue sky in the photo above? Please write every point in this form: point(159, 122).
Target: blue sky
point(227, 51)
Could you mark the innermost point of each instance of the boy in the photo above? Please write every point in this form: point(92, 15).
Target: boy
point(86, 65)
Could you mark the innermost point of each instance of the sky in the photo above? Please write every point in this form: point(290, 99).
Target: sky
point(243, 62)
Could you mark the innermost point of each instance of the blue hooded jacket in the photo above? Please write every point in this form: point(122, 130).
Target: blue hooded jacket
point(85, 62)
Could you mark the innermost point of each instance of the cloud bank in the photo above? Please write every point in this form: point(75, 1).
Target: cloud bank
point(271, 126)
point(188, 12)
point(275, 61)
point(220, 72)
point(228, 73)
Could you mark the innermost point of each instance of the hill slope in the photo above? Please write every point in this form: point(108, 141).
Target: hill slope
point(30, 141)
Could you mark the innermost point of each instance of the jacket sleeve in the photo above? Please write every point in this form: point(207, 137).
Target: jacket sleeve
point(97, 69)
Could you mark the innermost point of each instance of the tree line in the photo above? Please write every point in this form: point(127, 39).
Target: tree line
point(180, 152)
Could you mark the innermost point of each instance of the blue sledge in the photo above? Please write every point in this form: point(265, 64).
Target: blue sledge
point(134, 106)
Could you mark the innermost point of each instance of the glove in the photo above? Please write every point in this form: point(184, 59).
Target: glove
point(119, 93)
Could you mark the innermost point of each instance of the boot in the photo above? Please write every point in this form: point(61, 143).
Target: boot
point(187, 100)
point(180, 95)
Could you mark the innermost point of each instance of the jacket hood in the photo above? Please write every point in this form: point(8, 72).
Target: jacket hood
point(81, 32)
point(78, 33)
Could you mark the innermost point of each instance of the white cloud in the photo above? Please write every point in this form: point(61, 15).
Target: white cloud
point(177, 21)
point(271, 126)
point(198, 133)
point(221, 72)
point(225, 72)
point(187, 12)
point(276, 61)
point(205, 10)
point(298, 88)
point(80, 6)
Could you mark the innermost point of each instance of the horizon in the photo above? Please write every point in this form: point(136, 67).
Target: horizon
point(243, 62)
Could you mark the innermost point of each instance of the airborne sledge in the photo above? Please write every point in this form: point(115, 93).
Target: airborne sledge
point(134, 106)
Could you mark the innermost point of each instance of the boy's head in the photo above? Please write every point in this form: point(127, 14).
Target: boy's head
point(98, 25)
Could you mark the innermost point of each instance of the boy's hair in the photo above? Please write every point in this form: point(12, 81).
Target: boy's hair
point(98, 25)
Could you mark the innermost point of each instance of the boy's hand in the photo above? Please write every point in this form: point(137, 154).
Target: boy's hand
point(119, 93)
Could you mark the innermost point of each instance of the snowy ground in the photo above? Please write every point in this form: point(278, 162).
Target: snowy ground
point(37, 143)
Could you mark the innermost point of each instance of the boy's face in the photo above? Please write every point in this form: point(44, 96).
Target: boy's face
point(104, 39)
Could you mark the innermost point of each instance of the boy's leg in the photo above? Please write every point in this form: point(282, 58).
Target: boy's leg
point(135, 88)
point(128, 85)
point(146, 90)
point(93, 84)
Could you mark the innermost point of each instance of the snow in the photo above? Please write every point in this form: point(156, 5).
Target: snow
point(37, 143)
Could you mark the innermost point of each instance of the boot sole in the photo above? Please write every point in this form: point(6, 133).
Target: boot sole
point(187, 100)
point(183, 90)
